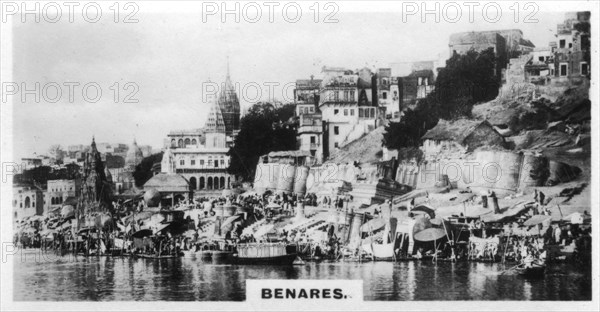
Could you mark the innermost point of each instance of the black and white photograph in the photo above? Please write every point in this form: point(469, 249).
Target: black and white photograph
point(299, 155)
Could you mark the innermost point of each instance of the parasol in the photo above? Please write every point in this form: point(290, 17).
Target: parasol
point(537, 219)
point(373, 225)
point(492, 217)
point(425, 208)
point(160, 227)
point(67, 211)
point(63, 226)
point(231, 220)
point(142, 233)
point(578, 218)
point(421, 223)
point(437, 221)
point(474, 212)
point(430, 234)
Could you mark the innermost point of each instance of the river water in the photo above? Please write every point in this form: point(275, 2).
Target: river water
point(188, 279)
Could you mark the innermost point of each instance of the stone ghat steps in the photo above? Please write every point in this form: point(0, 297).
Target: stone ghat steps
point(375, 193)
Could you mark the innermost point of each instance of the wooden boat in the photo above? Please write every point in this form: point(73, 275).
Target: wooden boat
point(212, 252)
point(157, 257)
point(265, 253)
point(536, 269)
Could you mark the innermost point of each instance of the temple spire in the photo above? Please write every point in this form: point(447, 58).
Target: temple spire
point(227, 66)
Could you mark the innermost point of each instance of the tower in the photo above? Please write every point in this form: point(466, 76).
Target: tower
point(229, 105)
point(134, 156)
point(215, 129)
point(96, 190)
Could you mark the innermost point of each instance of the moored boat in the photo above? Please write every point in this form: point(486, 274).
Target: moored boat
point(536, 269)
point(265, 253)
point(154, 256)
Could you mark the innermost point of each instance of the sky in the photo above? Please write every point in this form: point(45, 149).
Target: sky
point(171, 58)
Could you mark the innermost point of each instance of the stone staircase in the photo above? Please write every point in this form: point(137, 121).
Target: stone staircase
point(377, 192)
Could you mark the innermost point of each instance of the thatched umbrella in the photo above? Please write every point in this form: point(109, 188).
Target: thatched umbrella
point(67, 211)
point(430, 234)
point(373, 225)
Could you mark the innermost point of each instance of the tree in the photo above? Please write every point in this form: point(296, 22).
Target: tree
point(143, 171)
point(263, 129)
point(467, 79)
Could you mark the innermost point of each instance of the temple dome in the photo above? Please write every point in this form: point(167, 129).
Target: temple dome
point(134, 156)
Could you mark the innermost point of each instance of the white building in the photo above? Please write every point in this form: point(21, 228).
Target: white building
point(57, 193)
point(27, 201)
point(347, 106)
point(200, 156)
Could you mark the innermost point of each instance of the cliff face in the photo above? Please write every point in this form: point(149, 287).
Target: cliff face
point(533, 122)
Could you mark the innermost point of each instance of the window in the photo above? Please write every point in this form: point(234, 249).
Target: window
point(336, 145)
point(345, 112)
point(584, 68)
point(352, 95)
point(570, 45)
point(336, 130)
point(361, 113)
point(193, 162)
point(562, 43)
point(222, 162)
point(541, 58)
point(336, 111)
point(312, 109)
point(420, 81)
point(201, 162)
point(216, 163)
point(352, 112)
point(312, 139)
point(187, 142)
point(563, 69)
point(194, 142)
point(182, 162)
point(384, 95)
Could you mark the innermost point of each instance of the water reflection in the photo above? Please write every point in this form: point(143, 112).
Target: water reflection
point(107, 279)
